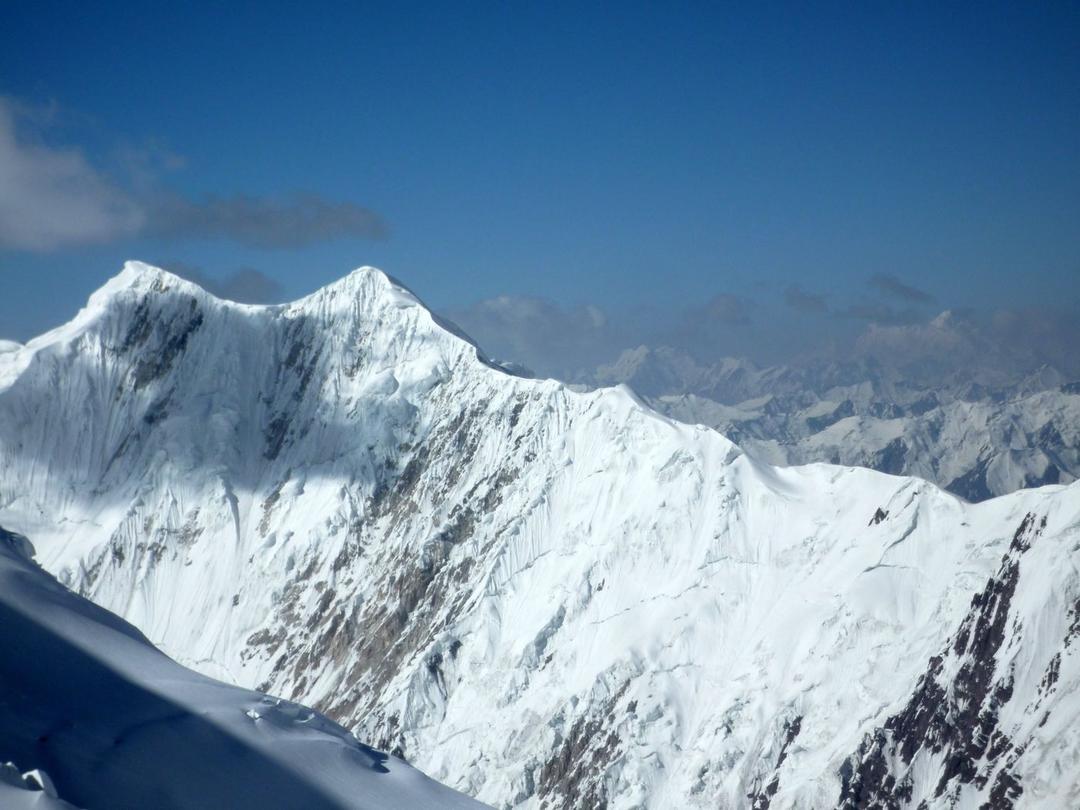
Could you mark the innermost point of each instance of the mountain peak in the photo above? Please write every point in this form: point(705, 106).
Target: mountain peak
point(144, 277)
point(365, 281)
point(141, 274)
point(139, 278)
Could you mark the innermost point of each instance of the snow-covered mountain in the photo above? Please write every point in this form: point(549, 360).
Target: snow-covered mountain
point(977, 435)
point(541, 597)
point(101, 719)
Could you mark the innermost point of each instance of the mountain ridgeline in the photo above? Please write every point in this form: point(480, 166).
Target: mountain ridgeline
point(542, 598)
point(976, 432)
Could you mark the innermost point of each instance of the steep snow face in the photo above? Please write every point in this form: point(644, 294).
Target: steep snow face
point(106, 721)
point(540, 597)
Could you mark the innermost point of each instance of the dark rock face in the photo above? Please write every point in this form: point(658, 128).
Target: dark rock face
point(298, 366)
point(573, 777)
point(892, 457)
point(167, 338)
point(761, 797)
point(1051, 475)
point(953, 717)
point(1049, 436)
point(972, 485)
point(842, 411)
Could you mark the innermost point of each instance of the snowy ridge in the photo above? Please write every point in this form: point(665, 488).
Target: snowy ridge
point(106, 721)
point(543, 598)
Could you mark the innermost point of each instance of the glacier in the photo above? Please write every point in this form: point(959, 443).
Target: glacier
point(539, 596)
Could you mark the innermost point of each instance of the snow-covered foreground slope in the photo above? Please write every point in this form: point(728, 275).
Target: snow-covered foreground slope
point(540, 597)
point(112, 723)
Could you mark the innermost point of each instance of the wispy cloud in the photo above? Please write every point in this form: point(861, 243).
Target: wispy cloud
point(569, 342)
point(294, 221)
point(895, 288)
point(52, 198)
point(246, 286)
point(803, 301)
point(732, 310)
point(542, 335)
point(55, 197)
point(879, 313)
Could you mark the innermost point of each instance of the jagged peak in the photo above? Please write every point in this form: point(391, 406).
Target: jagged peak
point(366, 289)
point(137, 279)
point(137, 275)
point(365, 282)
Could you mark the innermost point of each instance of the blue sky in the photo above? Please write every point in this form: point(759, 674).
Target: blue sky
point(635, 157)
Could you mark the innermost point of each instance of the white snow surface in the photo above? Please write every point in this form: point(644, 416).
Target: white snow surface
point(543, 598)
point(109, 722)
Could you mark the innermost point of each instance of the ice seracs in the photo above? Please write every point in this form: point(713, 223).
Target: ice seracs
point(541, 597)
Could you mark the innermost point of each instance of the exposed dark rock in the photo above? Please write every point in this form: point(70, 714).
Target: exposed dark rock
point(818, 423)
point(892, 457)
point(1051, 475)
point(172, 339)
point(294, 378)
point(761, 798)
point(573, 776)
point(972, 485)
point(956, 720)
point(158, 411)
point(1074, 624)
point(515, 414)
point(1049, 436)
point(924, 405)
point(885, 410)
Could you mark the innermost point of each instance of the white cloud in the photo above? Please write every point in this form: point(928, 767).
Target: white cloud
point(52, 198)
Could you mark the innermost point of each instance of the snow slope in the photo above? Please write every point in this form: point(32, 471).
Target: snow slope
point(112, 723)
point(543, 598)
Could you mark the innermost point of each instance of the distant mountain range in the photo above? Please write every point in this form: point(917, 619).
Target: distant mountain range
point(977, 435)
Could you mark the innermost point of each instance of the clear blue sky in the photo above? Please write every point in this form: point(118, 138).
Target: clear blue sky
point(622, 154)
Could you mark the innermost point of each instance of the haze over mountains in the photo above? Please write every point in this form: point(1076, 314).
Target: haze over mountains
point(545, 597)
point(977, 435)
point(980, 406)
